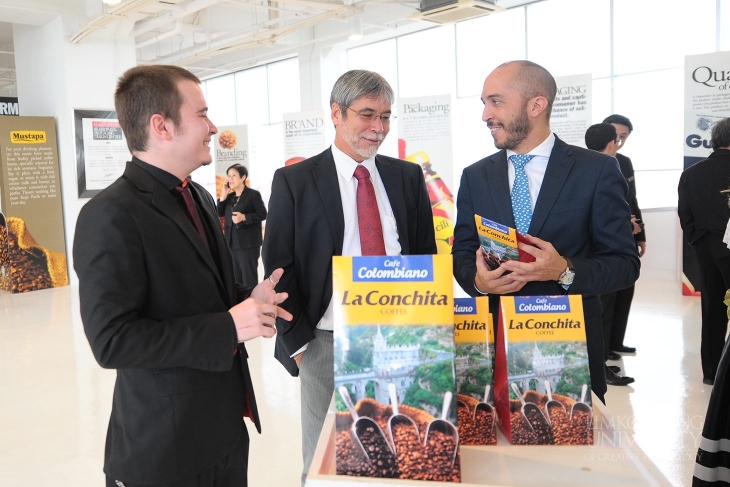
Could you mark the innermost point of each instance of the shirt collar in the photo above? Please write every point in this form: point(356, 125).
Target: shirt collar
point(542, 150)
point(165, 178)
point(346, 165)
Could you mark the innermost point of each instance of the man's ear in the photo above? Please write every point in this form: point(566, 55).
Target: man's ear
point(336, 114)
point(537, 106)
point(160, 127)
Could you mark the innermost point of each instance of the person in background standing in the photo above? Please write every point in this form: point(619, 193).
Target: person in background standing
point(618, 304)
point(703, 213)
point(602, 137)
point(243, 211)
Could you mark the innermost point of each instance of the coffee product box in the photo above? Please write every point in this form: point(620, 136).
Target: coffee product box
point(542, 381)
point(395, 387)
point(474, 337)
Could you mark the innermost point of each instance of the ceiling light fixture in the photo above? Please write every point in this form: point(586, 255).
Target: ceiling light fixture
point(111, 2)
point(354, 28)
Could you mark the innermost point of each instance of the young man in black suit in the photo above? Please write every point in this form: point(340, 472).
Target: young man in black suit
point(570, 201)
point(313, 215)
point(158, 299)
point(602, 137)
point(703, 213)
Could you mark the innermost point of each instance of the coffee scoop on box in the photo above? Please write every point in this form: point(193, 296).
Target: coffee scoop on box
point(365, 431)
point(398, 418)
point(529, 407)
point(443, 425)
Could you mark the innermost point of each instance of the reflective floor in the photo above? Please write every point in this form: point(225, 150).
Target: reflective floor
point(55, 400)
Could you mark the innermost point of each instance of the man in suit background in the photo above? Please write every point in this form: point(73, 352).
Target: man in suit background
point(619, 303)
point(703, 213)
point(158, 299)
point(314, 215)
point(570, 201)
point(602, 137)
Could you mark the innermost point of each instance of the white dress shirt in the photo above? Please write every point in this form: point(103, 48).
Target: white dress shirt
point(346, 166)
point(535, 169)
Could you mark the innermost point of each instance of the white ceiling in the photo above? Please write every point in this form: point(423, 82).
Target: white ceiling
point(210, 37)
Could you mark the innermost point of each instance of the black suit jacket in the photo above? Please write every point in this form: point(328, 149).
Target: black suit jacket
point(306, 228)
point(703, 207)
point(581, 210)
point(627, 169)
point(249, 230)
point(154, 305)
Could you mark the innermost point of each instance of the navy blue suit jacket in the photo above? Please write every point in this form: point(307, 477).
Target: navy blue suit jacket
point(581, 210)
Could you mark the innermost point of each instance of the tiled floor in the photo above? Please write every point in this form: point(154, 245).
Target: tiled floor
point(55, 399)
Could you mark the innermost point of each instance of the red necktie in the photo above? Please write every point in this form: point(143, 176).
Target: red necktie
point(368, 216)
point(192, 211)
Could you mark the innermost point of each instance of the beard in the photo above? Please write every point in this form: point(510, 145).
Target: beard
point(515, 132)
point(353, 139)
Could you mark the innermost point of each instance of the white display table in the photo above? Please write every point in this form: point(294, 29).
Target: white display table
point(614, 460)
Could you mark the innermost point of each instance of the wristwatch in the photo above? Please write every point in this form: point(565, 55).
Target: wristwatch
point(566, 278)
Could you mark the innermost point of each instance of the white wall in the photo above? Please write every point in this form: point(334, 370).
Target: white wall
point(54, 78)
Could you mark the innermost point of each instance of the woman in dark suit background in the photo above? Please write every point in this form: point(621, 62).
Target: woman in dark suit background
point(243, 210)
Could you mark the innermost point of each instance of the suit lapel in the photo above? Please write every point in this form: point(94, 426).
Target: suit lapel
point(392, 179)
point(165, 203)
point(559, 165)
point(324, 173)
point(498, 181)
point(208, 212)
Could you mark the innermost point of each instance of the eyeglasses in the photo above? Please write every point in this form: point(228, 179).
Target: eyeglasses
point(369, 116)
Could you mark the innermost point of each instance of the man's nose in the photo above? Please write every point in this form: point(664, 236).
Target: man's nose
point(486, 113)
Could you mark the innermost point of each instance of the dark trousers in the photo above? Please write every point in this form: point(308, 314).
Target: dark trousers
point(616, 308)
point(246, 266)
point(232, 471)
point(715, 280)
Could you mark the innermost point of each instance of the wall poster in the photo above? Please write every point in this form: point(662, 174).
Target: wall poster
point(706, 102)
point(32, 239)
point(424, 138)
point(304, 135)
point(101, 150)
point(571, 115)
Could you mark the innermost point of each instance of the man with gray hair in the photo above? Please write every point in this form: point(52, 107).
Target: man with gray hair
point(345, 201)
point(703, 213)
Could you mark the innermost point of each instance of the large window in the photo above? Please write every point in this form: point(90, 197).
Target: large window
point(634, 50)
point(256, 97)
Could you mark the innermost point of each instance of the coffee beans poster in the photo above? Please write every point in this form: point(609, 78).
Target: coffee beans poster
point(474, 364)
point(542, 381)
point(395, 389)
point(30, 200)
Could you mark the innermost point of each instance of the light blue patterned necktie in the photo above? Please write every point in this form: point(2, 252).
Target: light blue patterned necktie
point(521, 205)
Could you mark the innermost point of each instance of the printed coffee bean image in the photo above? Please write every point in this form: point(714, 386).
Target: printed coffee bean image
point(28, 272)
point(413, 460)
point(4, 262)
point(475, 430)
point(227, 139)
point(579, 431)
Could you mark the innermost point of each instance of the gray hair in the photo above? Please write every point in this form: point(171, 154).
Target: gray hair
point(721, 134)
point(359, 83)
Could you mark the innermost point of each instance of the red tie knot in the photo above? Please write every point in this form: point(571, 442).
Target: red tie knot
point(361, 172)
